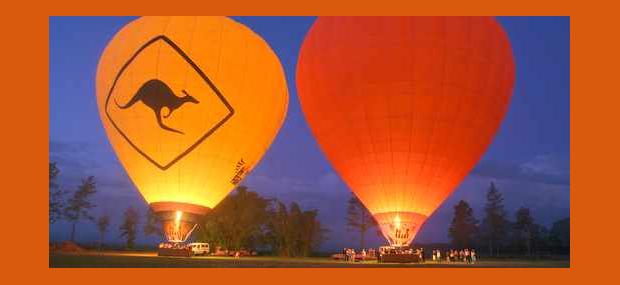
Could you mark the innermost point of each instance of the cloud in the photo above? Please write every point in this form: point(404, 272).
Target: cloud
point(545, 165)
point(77, 160)
point(330, 180)
point(546, 169)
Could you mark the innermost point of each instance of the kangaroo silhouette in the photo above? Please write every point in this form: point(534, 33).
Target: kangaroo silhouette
point(156, 95)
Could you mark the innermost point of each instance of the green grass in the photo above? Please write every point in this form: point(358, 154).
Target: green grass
point(149, 259)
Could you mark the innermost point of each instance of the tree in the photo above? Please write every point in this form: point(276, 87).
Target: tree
point(277, 228)
point(464, 225)
point(295, 229)
point(56, 198)
point(494, 223)
point(245, 220)
point(79, 205)
point(559, 236)
point(129, 227)
point(524, 226)
point(540, 238)
point(313, 234)
point(102, 225)
point(237, 222)
point(294, 232)
point(359, 219)
point(152, 225)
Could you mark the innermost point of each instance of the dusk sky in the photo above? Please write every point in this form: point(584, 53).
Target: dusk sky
point(529, 159)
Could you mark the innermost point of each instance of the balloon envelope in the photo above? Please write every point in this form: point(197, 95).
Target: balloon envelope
point(404, 107)
point(190, 105)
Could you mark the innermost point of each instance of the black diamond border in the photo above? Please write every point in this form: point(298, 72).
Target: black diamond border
point(174, 46)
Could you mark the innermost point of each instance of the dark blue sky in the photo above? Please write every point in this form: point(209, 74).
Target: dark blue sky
point(529, 159)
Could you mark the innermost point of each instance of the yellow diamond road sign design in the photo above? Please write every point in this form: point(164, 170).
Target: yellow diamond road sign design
point(148, 104)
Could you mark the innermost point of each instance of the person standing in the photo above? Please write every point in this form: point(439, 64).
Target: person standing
point(438, 256)
point(467, 260)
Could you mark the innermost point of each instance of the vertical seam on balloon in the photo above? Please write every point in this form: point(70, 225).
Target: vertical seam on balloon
point(359, 149)
point(376, 183)
point(208, 168)
point(217, 157)
point(434, 114)
point(159, 145)
point(390, 137)
point(189, 51)
point(411, 121)
point(380, 183)
point(242, 149)
point(436, 199)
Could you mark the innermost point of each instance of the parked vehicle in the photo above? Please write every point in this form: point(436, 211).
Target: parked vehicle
point(199, 248)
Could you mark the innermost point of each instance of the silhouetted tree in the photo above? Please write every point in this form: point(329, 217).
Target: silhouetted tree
point(129, 227)
point(245, 220)
point(295, 229)
point(313, 234)
point(464, 225)
point(277, 228)
point(294, 232)
point(56, 195)
point(238, 221)
point(79, 205)
point(524, 226)
point(359, 219)
point(152, 226)
point(540, 238)
point(559, 236)
point(495, 224)
point(102, 225)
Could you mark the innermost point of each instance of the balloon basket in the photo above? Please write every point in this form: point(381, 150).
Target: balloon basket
point(399, 228)
point(178, 220)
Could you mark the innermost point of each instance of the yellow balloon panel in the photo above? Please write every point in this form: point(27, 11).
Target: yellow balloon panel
point(190, 105)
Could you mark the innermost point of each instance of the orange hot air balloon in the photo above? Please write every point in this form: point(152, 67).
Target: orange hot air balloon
point(190, 105)
point(404, 107)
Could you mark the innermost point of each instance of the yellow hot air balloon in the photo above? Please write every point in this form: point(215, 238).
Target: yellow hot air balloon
point(190, 105)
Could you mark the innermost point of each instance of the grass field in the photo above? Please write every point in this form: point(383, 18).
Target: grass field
point(149, 259)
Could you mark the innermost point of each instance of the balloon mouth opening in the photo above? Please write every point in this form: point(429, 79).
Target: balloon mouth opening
point(178, 220)
point(399, 228)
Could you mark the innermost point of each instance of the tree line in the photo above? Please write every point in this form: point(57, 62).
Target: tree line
point(77, 205)
point(498, 234)
point(243, 220)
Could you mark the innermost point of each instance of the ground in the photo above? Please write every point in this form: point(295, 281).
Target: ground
point(150, 259)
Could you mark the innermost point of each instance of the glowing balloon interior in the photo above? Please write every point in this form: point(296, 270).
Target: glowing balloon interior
point(404, 107)
point(190, 105)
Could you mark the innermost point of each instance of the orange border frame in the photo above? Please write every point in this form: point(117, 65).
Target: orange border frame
point(25, 141)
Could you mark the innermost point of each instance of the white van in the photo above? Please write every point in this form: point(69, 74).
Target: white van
point(199, 248)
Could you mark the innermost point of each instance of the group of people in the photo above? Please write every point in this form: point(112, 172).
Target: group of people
point(453, 255)
point(416, 254)
point(350, 254)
